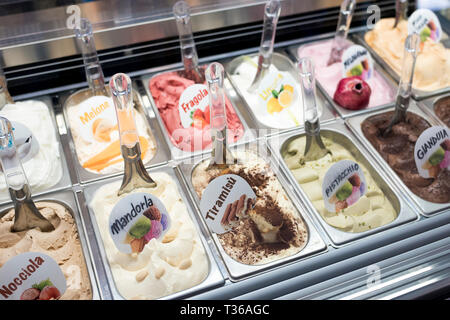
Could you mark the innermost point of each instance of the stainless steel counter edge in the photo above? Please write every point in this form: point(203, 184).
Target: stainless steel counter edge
point(427, 105)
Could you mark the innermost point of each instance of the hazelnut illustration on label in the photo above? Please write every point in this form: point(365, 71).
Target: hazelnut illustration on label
point(356, 61)
point(224, 201)
point(137, 219)
point(277, 92)
point(343, 184)
point(432, 151)
point(31, 276)
point(426, 24)
point(193, 107)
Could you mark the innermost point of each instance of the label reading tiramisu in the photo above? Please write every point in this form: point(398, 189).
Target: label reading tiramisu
point(225, 199)
point(432, 151)
point(194, 107)
point(356, 61)
point(31, 276)
point(426, 24)
point(343, 185)
point(97, 119)
point(137, 219)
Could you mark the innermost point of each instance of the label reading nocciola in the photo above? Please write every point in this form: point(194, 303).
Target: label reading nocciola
point(223, 200)
point(136, 219)
point(343, 185)
point(432, 151)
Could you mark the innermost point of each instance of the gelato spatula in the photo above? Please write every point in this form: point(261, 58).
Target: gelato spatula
point(401, 11)
point(271, 15)
point(135, 175)
point(412, 44)
point(182, 14)
point(315, 148)
point(345, 19)
point(221, 155)
point(27, 216)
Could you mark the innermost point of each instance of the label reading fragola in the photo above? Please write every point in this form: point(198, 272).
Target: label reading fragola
point(432, 151)
point(194, 106)
point(225, 199)
point(137, 219)
point(426, 24)
point(31, 276)
point(356, 61)
point(97, 119)
point(343, 185)
point(277, 92)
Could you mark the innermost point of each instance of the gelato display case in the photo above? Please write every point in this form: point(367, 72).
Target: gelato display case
point(271, 99)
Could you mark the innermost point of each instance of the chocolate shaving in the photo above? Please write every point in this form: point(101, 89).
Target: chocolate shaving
point(226, 214)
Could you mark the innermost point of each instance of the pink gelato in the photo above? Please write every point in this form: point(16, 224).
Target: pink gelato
point(329, 76)
point(166, 90)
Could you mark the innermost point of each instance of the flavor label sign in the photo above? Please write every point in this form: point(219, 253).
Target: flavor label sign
point(356, 61)
point(97, 119)
point(343, 185)
point(432, 151)
point(277, 92)
point(137, 219)
point(31, 276)
point(225, 199)
point(426, 24)
point(27, 145)
point(194, 106)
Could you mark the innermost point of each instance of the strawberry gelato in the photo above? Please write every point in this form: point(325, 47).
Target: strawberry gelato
point(166, 90)
point(329, 76)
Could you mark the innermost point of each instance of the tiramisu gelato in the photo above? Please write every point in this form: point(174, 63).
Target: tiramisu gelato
point(432, 70)
point(371, 211)
point(263, 230)
point(62, 244)
point(44, 169)
point(175, 263)
point(100, 151)
point(397, 149)
point(166, 90)
point(442, 110)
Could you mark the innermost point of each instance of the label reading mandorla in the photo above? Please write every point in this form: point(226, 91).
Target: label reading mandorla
point(136, 219)
point(31, 276)
point(432, 151)
point(343, 185)
point(224, 199)
point(426, 24)
point(194, 106)
point(356, 61)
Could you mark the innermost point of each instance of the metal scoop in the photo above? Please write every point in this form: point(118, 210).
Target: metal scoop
point(27, 216)
point(182, 13)
point(401, 11)
point(271, 14)
point(412, 44)
point(220, 154)
point(345, 19)
point(135, 175)
point(315, 148)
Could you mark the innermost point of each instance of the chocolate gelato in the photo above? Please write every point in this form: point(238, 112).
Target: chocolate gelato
point(442, 110)
point(397, 149)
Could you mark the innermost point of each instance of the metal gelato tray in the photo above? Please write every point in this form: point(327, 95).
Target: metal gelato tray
point(284, 64)
point(427, 208)
point(239, 271)
point(66, 198)
point(416, 93)
point(84, 176)
point(64, 182)
point(214, 277)
point(345, 113)
point(176, 152)
point(428, 106)
point(340, 134)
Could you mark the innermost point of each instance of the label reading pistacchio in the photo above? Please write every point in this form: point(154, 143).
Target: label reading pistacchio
point(194, 106)
point(31, 276)
point(225, 199)
point(277, 92)
point(343, 185)
point(432, 151)
point(97, 119)
point(137, 219)
point(356, 61)
point(426, 24)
